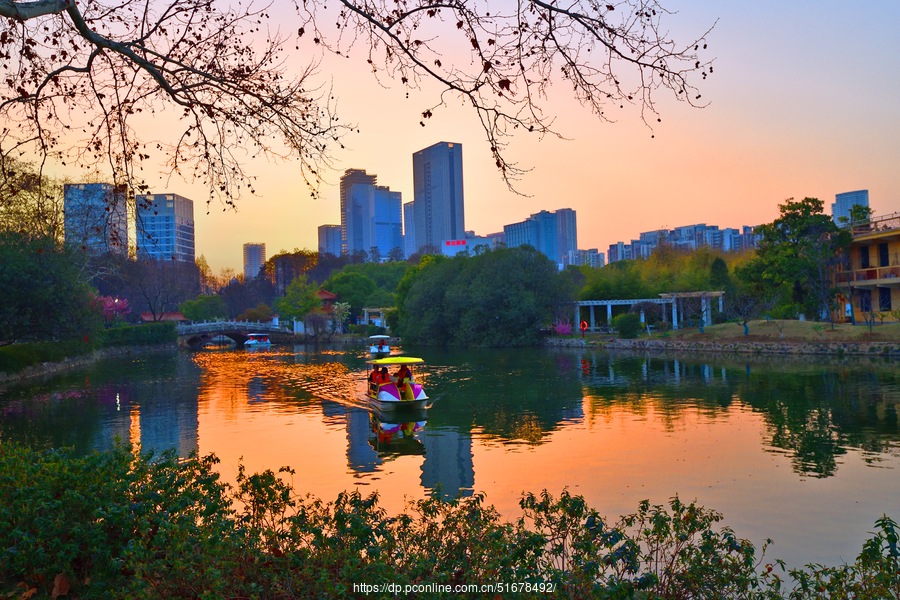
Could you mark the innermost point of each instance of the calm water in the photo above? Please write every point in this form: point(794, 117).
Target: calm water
point(807, 453)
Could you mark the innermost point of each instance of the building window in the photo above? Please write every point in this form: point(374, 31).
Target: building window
point(864, 257)
point(883, 256)
point(884, 298)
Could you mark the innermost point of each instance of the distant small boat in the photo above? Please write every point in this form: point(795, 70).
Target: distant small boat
point(393, 393)
point(378, 345)
point(257, 339)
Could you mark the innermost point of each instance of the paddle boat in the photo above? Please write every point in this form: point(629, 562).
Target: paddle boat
point(378, 345)
point(257, 339)
point(392, 394)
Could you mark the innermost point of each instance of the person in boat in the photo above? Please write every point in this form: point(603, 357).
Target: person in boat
point(381, 346)
point(403, 375)
point(373, 379)
point(383, 376)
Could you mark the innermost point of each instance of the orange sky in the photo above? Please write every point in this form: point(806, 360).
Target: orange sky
point(803, 102)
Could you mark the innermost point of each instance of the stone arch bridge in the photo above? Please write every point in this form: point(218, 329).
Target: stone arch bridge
point(196, 335)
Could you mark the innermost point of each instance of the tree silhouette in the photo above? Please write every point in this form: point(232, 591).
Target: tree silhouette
point(79, 79)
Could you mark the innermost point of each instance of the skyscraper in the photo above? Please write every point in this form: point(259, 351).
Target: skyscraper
point(165, 227)
point(96, 217)
point(567, 231)
point(438, 194)
point(357, 188)
point(552, 233)
point(330, 239)
point(409, 229)
point(382, 224)
point(254, 259)
point(844, 202)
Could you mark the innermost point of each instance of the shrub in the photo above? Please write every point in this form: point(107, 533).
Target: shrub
point(139, 335)
point(121, 525)
point(627, 325)
point(16, 357)
point(561, 327)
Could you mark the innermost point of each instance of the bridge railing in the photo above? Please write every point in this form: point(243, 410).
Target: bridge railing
point(212, 326)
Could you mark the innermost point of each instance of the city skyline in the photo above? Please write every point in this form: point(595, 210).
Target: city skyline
point(810, 112)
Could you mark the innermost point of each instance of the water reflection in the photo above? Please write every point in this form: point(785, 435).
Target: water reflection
point(804, 451)
point(151, 402)
point(813, 412)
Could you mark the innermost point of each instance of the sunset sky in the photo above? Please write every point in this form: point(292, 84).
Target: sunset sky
point(804, 101)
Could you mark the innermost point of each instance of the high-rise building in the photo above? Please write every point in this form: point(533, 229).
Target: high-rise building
point(553, 233)
point(254, 260)
point(687, 237)
point(165, 227)
point(567, 231)
point(382, 223)
point(96, 218)
point(409, 229)
point(357, 188)
point(330, 239)
point(844, 202)
point(438, 195)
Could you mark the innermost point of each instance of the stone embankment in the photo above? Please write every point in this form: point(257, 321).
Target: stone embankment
point(757, 347)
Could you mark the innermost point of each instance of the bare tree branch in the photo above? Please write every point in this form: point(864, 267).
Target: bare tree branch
point(79, 81)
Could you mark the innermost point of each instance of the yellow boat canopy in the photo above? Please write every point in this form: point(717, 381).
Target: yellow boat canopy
point(395, 360)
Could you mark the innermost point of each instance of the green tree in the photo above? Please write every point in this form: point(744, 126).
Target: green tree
point(41, 295)
point(499, 298)
point(627, 325)
point(858, 214)
point(380, 299)
point(298, 301)
point(258, 313)
point(204, 308)
point(340, 314)
point(795, 255)
point(351, 287)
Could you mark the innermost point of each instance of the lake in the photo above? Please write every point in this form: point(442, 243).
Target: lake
point(803, 451)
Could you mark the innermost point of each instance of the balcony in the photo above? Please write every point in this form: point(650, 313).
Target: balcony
point(871, 277)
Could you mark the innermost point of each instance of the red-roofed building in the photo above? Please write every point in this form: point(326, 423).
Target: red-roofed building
point(327, 299)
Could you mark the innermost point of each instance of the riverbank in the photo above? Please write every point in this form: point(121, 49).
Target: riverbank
point(81, 360)
point(764, 337)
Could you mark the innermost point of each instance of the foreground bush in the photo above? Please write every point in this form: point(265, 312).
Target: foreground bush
point(117, 525)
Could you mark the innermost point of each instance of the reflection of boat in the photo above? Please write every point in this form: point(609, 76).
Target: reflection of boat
point(257, 339)
point(378, 345)
point(392, 394)
point(392, 436)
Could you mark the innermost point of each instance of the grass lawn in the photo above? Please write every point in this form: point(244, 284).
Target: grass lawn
point(791, 331)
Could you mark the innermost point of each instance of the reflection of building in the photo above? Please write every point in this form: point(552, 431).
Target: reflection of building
point(165, 227)
point(96, 218)
point(165, 420)
point(448, 462)
point(254, 259)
